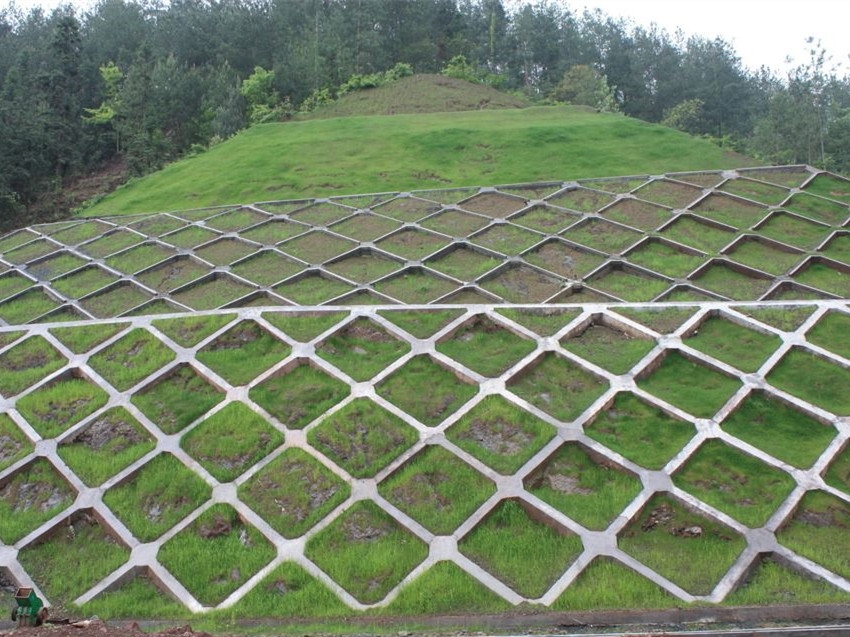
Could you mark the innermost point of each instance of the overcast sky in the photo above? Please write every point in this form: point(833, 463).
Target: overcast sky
point(763, 32)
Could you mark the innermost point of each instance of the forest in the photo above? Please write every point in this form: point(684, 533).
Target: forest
point(143, 82)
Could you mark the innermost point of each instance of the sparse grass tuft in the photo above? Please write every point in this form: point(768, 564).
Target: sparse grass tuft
point(486, 347)
point(177, 400)
point(812, 378)
point(131, 359)
point(53, 408)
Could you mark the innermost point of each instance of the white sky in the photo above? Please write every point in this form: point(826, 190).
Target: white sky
point(762, 32)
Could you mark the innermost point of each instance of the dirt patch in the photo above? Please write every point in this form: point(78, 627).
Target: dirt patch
point(218, 527)
point(361, 526)
point(423, 485)
point(524, 285)
point(236, 338)
point(33, 360)
point(820, 518)
point(493, 205)
point(498, 436)
point(637, 214)
point(106, 429)
point(9, 448)
point(367, 331)
point(561, 259)
point(26, 496)
point(565, 484)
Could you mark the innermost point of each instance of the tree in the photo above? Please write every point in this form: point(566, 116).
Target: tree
point(263, 100)
point(585, 86)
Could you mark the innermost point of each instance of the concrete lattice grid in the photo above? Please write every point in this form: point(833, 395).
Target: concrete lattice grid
point(88, 499)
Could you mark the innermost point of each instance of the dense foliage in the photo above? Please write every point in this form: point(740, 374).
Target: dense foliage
point(144, 82)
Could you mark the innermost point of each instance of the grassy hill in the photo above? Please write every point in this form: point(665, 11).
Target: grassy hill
point(361, 154)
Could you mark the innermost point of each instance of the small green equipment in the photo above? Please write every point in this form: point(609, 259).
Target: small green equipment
point(30, 610)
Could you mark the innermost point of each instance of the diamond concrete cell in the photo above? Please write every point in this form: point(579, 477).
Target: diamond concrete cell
point(231, 441)
point(173, 273)
point(546, 219)
point(11, 283)
point(407, 209)
point(506, 238)
point(294, 492)
point(243, 352)
point(81, 232)
point(543, 321)
point(236, 220)
point(666, 534)
point(818, 530)
point(485, 346)
point(818, 208)
point(733, 343)
point(363, 265)
point(176, 399)
point(116, 300)
point(825, 274)
point(830, 332)
point(413, 244)
point(140, 257)
point(26, 363)
point(14, 444)
point(818, 380)
point(666, 257)
point(637, 214)
point(764, 254)
point(500, 434)
point(16, 239)
point(366, 552)
point(415, 286)
point(33, 304)
point(688, 383)
point(61, 403)
point(211, 292)
point(557, 386)
point(225, 251)
point(299, 393)
point(583, 485)
point(188, 331)
point(216, 554)
point(640, 431)
point(157, 496)
point(364, 227)
point(157, 225)
point(790, 291)
point(672, 194)
point(321, 214)
point(421, 323)
point(259, 298)
point(493, 204)
point(73, 556)
point(736, 483)
point(455, 223)
point(520, 283)
point(837, 247)
point(266, 268)
point(463, 262)
point(131, 359)
point(361, 349)
point(754, 190)
point(362, 437)
point(837, 474)
point(447, 391)
point(730, 210)
point(190, 237)
point(316, 247)
point(312, 287)
point(609, 344)
point(81, 282)
point(437, 489)
point(304, 326)
point(274, 231)
point(698, 233)
point(581, 199)
point(732, 280)
point(31, 251)
point(601, 235)
point(564, 259)
point(521, 547)
point(793, 230)
point(830, 185)
point(29, 497)
point(623, 281)
point(107, 444)
point(54, 265)
point(110, 243)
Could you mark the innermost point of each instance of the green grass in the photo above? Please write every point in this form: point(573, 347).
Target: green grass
point(542, 321)
point(116, 300)
point(361, 349)
point(298, 396)
point(446, 392)
point(365, 227)
point(82, 338)
point(73, 559)
point(415, 286)
point(266, 268)
point(740, 346)
point(415, 151)
point(190, 237)
point(437, 489)
point(464, 264)
point(818, 209)
point(793, 230)
point(830, 333)
point(838, 474)
point(779, 429)
point(668, 193)
point(32, 496)
point(157, 496)
point(602, 235)
point(445, 589)
point(59, 405)
point(14, 445)
point(666, 259)
point(12, 284)
point(213, 292)
point(230, 441)
point(522, 284)
point(818, 530)
point(28, 306)
point(756, 190)
point(235, 220)
point(690, 385)
point(657, 538)
point(786, 319)
point(500, 434)
point(54, 265)
point(108, 444)
point(725, 280)
point(639, 431)
point(225, 251)
point(486, 347)
point(507, 239)
point(590, 490)
point(814, 379)
point(764, 256)
point(697, 234)
point(82, 282)
point(190, 330)
point(730, 211)
point(546, 219)
point(421, 323)
point(608, 347)
point(524, 553)
point(734, 482)
point(366, 552)
point(312, 288)
point(26, 363)
point(139, 598)
point(293, 492)
point(111, 243)
point(304, 326)
point(139, 258)
point(178, 399)
point(662, 320)
point(243, 352)
point(774, 583)
point(131, 359)
point(628, 284)
point(557, 386)
point(173, 273)
point(563, 259)
point(823, 276)
point(609, 585)
point(830, 186)
point(216, 554)
point(362, 437)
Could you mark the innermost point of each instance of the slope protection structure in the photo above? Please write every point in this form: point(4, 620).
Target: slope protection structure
point(442, 401)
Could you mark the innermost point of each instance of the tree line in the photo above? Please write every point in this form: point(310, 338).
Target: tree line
point(147, 81)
